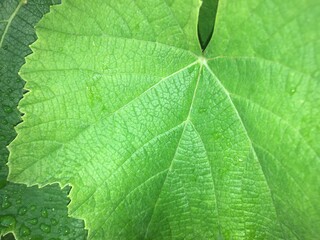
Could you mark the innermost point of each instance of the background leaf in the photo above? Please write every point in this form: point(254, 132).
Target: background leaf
point(30, 213)
point(207, 17)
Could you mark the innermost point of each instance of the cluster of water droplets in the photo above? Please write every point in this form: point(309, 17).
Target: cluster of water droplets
point(29, 222)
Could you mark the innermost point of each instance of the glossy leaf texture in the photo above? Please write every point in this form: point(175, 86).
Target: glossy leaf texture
point(27, 212)
point(161, 141)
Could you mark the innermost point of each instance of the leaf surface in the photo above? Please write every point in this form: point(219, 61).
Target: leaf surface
point(27, 212)
point(161, 142)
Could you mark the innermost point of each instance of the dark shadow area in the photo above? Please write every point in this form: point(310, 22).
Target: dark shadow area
point(206, 21)
point(9, 236)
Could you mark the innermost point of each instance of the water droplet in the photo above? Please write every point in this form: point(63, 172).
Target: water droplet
point(292, 91)
point(240, 160)
point(44, 213)
point(18, 201)
point(202, 110)
point(24, 231)
point(7, 109)
point(6, 203)
point(7, 221)
point(45, 228)
point(97, 76)
point(217, 135)
point(33, 207)
point(22, 211)
point(53, 209)
point(65, 230)
point(33, 221)
point(54, 221)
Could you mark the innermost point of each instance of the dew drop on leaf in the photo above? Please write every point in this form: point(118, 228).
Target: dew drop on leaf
point(65, 230)
point(7, 109)
point(217, 135)
point(202, 110)
point(33, 221)
point(45, 228)
point(22, 211)
point(54, 221)
point(7, 221)
point(24, 231)
point(293, 91)
point(6, 203)
point(44, 213)
point(97, 76)
point(33, 207)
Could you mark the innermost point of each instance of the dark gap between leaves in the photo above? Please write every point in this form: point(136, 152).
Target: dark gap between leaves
point(8, 236)
point(206, 21)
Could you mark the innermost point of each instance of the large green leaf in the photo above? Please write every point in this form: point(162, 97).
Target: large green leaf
point(30, 213)
point(161, 142)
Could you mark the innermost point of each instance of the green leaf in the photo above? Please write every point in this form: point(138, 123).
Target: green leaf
point(32, 213)
point(207, 16)
point(161, 142)
point(29, 213)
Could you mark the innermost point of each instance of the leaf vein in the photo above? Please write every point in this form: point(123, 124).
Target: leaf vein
point(249, 140)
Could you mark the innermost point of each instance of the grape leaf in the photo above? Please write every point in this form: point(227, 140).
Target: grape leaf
point(160, 141)
point(29, 213)
point(32, 213)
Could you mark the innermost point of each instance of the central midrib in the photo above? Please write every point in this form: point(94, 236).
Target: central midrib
point(174, 156)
